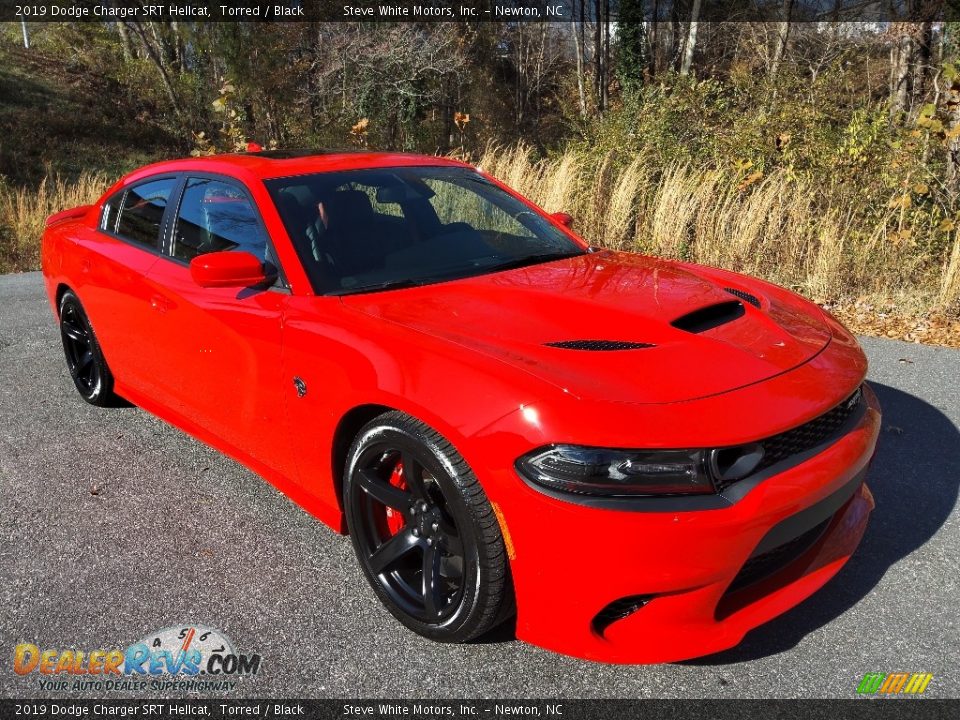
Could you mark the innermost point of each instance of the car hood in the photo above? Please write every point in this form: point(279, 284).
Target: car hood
point(619, 297)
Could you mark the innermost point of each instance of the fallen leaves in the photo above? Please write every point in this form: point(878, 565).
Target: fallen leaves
point(885, 320)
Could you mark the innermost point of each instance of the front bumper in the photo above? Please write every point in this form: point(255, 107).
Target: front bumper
point(570, 562)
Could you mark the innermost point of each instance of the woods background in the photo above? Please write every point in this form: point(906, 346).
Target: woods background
point(824, 156)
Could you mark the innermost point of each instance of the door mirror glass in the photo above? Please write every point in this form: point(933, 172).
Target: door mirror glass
point(227, 268)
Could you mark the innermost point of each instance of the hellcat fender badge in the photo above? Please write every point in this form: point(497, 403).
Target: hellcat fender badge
point(300, 385)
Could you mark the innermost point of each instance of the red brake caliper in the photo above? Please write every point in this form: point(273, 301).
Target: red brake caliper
point(395, 519)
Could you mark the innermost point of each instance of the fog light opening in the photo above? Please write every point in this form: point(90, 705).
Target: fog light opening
point(618, 610)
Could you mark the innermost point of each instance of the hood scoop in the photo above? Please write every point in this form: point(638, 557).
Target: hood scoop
point(745, 296)
point(599, 345)
point(709, 317)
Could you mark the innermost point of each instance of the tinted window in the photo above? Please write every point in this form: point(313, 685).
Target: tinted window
point(366, 230)
point(111, 213)
point(142, 211)
point(216, 216)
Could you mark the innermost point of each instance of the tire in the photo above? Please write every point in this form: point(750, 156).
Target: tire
point(88, 368)
point(414, 509)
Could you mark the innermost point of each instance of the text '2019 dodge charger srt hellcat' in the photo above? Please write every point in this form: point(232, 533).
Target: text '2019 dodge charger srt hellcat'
point(643, 459)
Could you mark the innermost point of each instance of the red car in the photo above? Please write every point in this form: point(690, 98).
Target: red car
point(643, 459)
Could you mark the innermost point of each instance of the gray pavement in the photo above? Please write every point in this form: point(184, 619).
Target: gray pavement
point(113, 525)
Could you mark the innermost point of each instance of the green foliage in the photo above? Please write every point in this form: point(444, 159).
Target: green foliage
point(632, 55)
point(888, 180)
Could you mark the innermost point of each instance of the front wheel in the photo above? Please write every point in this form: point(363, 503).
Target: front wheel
point(424, 532)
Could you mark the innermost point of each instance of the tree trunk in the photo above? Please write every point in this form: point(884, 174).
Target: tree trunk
point(951, 102)
point(900, 56)
point(783, 35)
point(578, 51)
point(691, 42)
point(654, 40)
point(598, 69)
point(125, 41)
point(606, 53)
point(158, 63)
point(922, 64)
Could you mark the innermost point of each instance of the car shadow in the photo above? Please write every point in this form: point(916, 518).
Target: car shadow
point(914, 482)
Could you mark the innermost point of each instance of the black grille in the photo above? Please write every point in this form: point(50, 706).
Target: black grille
point(766, 564)
point(599, 345)
point(806, 436)
point(810, 434)
point(745, 296)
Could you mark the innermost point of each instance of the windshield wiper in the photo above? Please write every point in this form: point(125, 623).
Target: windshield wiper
point(533, 260)
point(379, 287)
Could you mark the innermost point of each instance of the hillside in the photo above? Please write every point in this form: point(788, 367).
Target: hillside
point(58, 119)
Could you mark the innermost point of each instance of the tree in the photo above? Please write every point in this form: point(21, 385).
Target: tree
point(781, 37)
point(691, 42)
point(632, 49)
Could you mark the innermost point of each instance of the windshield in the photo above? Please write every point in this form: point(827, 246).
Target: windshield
point(383, 228)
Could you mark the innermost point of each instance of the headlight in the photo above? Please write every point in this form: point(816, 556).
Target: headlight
point(611, 473)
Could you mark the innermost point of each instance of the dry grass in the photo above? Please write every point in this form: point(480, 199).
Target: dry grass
point(950, 285)
point(774, 226)
point(23, 212)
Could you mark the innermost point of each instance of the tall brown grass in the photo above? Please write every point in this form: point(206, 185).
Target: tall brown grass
point(24, 210)
point(775, 226)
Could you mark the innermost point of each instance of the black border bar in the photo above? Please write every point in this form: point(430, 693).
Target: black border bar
point(668, 11)
point(901, 708)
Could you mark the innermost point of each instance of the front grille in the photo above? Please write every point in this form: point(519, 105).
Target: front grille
point(766, 564)
point(806, 436)
point(810, 434)
point(599, 345)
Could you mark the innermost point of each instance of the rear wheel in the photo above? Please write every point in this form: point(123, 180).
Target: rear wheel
point(85, 361)
point(424, 532)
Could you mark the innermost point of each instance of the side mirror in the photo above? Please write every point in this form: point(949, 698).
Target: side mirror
point(227, 269)
point(565, 219)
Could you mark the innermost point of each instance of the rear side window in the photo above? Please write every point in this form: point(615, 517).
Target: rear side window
point(216, 216)
point(141, 212)
point(111, 213)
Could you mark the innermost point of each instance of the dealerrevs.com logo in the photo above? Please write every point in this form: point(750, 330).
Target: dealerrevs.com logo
point(900, 683)
point(187, 658)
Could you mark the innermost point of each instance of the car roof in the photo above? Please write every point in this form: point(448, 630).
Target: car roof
point(267, 164)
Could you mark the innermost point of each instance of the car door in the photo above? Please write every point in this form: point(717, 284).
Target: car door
point(220, 347)
point(114, 261)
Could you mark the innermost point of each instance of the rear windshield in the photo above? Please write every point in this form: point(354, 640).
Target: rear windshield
point(378, 229)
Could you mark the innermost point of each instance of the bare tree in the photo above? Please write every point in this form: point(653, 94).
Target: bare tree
point(691, 42)
point(781, 37)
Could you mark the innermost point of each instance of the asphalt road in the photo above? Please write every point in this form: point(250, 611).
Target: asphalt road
point(113, 525)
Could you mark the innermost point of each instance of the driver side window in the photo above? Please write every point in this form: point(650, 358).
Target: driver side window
point(216, 216)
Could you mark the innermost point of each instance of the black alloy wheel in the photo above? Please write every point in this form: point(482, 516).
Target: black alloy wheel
point(85, 361)
point(424, 532)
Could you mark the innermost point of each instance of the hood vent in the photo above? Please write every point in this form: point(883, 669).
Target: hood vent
point(745, 296)
point(599, 345)
point(709, 317)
